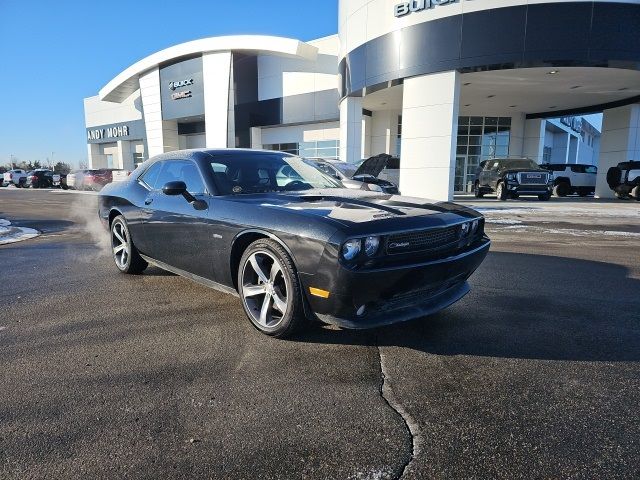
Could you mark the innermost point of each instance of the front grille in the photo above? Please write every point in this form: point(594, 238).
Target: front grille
point(422, 240)
point(533, 178)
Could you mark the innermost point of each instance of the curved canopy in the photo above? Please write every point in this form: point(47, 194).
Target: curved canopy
point(127, 82)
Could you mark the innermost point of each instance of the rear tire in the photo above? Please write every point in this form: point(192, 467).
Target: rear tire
point(501, 192)
point(635, 193)
point(270, 290)
point(124, 252)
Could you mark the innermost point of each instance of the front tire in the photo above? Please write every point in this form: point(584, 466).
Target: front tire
point(501, 192)
point(620, 196)
point(562, 189)
point(125, 254)
point(477, 191)
point(545, 197)
point(270, 290)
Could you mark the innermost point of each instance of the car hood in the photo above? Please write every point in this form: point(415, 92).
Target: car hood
point(373, 166)
point(352, 207)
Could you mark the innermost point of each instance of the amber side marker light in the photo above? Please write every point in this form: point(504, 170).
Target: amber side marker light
point(316, 292)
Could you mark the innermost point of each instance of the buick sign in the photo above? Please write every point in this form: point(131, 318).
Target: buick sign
point(406, 8)
point(180, 84)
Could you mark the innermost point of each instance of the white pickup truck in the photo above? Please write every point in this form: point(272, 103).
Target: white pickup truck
point(16, 177)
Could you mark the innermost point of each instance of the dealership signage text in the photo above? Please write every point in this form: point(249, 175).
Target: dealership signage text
point(111, 132)
point(180, 84)
point(405, 8)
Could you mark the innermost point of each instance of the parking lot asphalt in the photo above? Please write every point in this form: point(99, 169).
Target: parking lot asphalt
point(535, 374)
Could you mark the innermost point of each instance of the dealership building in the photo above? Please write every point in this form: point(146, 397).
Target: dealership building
point(443, 84)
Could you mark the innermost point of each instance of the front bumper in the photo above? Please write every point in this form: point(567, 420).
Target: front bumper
point(394, 294)
point(529, 189)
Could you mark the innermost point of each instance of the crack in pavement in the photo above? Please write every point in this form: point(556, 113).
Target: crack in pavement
point(387, 393)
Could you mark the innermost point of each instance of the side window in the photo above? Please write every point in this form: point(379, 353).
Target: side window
point(190, 174)
point(184, 171)
point(149, 177)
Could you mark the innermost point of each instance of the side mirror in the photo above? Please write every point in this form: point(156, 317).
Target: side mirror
point(174, 188)
point(180, 188)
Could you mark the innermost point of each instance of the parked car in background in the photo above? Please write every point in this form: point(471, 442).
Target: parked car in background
point(92, 179)
point(62, 181)
point(119, 175)
point(15, 177)
point(348, 175)
point(512, 177)
point(572, 178)
point(382, 170)
point(41, 178)
point(290, 241)
point(624, 179)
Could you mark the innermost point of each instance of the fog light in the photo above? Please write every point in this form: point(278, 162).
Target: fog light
point(362, 310)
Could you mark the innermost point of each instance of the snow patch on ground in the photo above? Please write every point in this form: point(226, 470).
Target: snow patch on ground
point(78, 192)
point(503, 221)
point(573, 232)
point(11, 234)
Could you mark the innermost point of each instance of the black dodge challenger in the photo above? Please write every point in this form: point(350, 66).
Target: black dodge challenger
point(290, 241)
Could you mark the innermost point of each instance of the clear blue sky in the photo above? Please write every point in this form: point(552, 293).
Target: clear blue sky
point(55, 53)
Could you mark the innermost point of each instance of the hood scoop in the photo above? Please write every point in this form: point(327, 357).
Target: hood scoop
point(342, 201)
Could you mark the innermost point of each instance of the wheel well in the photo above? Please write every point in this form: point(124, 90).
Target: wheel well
point(562, 180)
point(113, 214)
point(239, 246)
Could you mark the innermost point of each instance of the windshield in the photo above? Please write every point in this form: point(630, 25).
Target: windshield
point(519, 164)
point(261, 173)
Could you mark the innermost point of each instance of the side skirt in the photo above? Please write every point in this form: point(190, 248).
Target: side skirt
point(201, 280)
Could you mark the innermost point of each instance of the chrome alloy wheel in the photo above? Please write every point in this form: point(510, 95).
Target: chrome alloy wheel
point(120, 245)
point(264, 289)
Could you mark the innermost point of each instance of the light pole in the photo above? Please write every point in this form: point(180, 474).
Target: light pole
point(11, 161)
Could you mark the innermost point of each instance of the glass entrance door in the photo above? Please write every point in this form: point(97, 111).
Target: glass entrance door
point(466, 168)
point(479, 138)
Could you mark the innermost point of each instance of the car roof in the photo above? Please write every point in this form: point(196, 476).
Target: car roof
point(199, 152)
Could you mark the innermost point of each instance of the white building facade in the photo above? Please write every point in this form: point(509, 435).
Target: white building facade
point(442, 84)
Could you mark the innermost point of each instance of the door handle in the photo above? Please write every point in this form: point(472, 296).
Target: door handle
point(148, 201)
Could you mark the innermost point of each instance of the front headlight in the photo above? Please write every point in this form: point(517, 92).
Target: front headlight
point(474, 227)
point(512, 177)
point(351, 249)
point(374, 188)
point(371, 245)
point(466, 228)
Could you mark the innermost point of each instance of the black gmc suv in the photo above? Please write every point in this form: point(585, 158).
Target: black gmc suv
point(512, 177)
